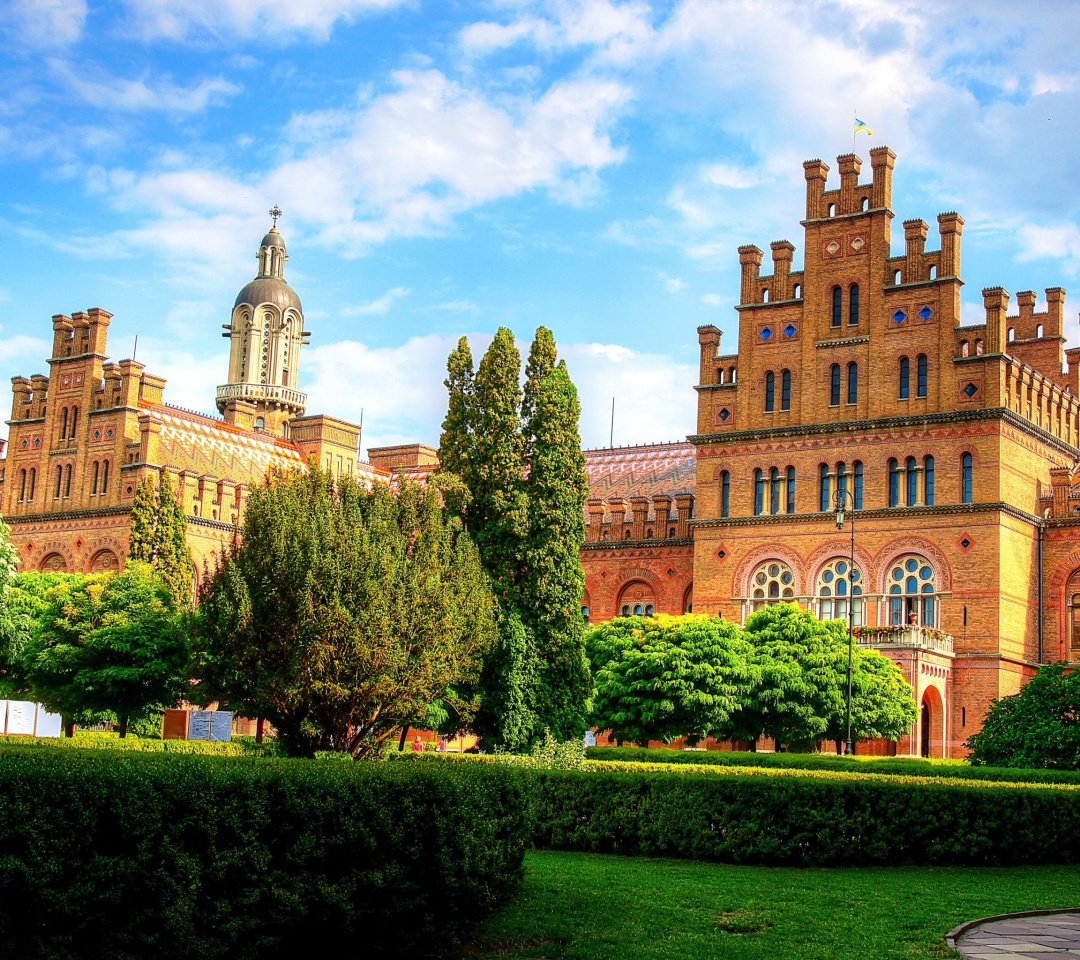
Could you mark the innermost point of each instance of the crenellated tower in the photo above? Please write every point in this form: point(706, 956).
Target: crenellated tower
point(265, 333)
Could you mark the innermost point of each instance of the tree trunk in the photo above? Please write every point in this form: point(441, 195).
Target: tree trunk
point(259, 730)
point(123, 727)
point(403, 738)
point(69, 729)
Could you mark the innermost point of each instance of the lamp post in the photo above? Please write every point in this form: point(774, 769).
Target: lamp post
point(842, 495)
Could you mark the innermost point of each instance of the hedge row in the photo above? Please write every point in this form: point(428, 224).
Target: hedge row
point(182, 857)
point(237, 747)
point(892, 766)
point(819, 820)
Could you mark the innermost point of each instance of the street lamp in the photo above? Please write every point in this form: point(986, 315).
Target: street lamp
point(842, 494)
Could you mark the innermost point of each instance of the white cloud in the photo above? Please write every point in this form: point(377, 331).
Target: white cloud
point(23, 348)
point(380, 305)
point(672, 284)
point(1057, 241)
point(228, 21)
point(44, 23)
point(731, 175)
point(98, 89)
point(713, 300)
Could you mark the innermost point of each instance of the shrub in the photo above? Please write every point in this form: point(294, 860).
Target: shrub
point(90, 740)
point(892, 766)
point(174, 857)
point(809, 819)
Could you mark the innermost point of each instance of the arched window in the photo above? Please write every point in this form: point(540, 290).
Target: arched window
point(965, 348)
point(764, 294)
point(759, 492)
point(980, 348)
point(771, 583)
point(839, 583)
point(853, 305)
point(834, 385)
point(852, 382)
point(785, 390)
point(790, 489)
point(74, 422)
point(731, 375)
point(796, 292)
point(260, 423)
point(920, 381)
point(857, 469)
point(774, 491)
point(1074, 629)
point(585, 615)
point(841, 477)
point(837, 306)
point(894, 483)
point(965, 478)
point(1012, 334)
point(912, 593)
point(1039, 331)
point(912, 482)
point(825, 504)
point(770, 391)
point(928, 481)
point(33, 483)
point(59, 482)
point(905, 377)
point(22, 485)
point(63, 423)
point(94, 479)
point(67, 481)
point(725, 493)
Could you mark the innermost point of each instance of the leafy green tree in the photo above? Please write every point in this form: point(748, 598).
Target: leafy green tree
point(11, 636)
point(553, 580)
point(25, 603)
point(800, 697)
point(543, 355)
point(1039, 727)
point(455, 442)
point(344, 613)
point(159, 537)
point(665, 677)
point(107, 642)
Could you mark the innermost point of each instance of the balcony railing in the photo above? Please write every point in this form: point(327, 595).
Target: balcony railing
point(911, 637)
point(262, 391)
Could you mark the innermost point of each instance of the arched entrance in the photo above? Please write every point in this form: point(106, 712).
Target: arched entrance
point(53, 563)
point(932, 724)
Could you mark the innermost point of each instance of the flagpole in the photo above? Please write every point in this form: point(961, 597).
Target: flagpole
point(854, 124)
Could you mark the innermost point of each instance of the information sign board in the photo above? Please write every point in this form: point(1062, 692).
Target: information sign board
point(199, 724)
point(48, 724)
point(20, 717)
point(221, 726)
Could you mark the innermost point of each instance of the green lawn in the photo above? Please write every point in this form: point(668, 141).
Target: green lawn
point(579, 906)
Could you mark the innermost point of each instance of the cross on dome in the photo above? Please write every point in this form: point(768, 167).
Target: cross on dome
point(275, 212)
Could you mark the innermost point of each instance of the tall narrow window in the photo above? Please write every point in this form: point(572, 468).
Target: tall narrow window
point(852, 382)
point(894, 483)
point(825, 503)
point(59, 482)
point(785, 390)
point(790, 489)
point(774, 491)
point(770, 391)
point(905, 378)
point(33, 483)
point(965, 478)
point(834, 385)
point(759, 492)
point(853, 305)
point(920, 381)
point(725, 493)
point(22, 485)
point(94, 480)
point(67, 481)
point(104, 477)
point(841, 477)
point(857, 472)
point(928, 481)
point(63, 423)
point(74, 422)
point(837, 306)
point(912, 482)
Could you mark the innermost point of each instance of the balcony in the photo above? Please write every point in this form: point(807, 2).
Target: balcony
point(906, 637)
point(268, 392)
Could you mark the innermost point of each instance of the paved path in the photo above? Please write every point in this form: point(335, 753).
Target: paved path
point(1032, 937)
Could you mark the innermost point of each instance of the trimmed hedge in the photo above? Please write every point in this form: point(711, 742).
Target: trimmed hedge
point(891, 766)
point(237, 747)
point(182, 857)
point(819, 820)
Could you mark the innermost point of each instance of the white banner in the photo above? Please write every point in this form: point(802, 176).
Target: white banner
point(20, 717)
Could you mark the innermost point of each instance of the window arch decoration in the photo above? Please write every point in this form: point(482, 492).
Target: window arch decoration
point(917, 546)
point(777, 552)
point(911, 592)
point(840, 591)
point(772, 582)
point(637, 599)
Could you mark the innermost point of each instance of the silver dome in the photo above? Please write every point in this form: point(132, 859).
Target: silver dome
point(269, 290)
point(273, 239)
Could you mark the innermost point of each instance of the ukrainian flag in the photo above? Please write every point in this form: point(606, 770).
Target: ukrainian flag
point(861, 127)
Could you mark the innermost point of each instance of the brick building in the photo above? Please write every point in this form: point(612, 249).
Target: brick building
point(954, 448)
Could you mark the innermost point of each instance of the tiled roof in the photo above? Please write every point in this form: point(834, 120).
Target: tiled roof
point(645, 471)
point(201, 444)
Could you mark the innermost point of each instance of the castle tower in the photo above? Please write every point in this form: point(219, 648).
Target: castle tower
point(266, 333)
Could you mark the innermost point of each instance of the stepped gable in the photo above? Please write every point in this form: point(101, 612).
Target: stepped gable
point(201, 444)
point(648, 470)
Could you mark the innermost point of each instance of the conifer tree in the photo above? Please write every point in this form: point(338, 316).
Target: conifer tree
point(542, 358)
point(172, 556)
point(143, 520)
point(554, 580)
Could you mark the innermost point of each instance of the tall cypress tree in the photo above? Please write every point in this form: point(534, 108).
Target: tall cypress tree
point(554, 580)
point(172, 556)
point(542, 357)
point(143, 522)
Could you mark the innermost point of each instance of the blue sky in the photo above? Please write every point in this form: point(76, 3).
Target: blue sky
point(448, 167)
